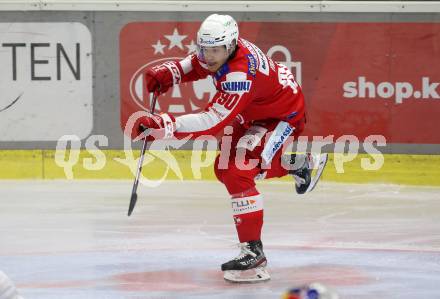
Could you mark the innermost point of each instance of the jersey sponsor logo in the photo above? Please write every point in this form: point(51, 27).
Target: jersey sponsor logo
point(207, 41)
point(224, 69)
point(282, 131)
point(251, 49)
point(219, 114)
point(252, 65)
point(256, 52)
point(283, 137)
point(238, 86)
point(264, 68)
point(292, 115)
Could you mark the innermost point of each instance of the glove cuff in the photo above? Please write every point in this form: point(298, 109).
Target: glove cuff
point(168, 125)
point(174, 69)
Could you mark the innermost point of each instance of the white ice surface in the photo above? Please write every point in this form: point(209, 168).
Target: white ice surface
point(73, 239)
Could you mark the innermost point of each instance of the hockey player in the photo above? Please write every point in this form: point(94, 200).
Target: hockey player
point(258, 105)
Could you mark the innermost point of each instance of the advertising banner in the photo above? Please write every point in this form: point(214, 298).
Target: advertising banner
point(359, 79)
point(45, 81)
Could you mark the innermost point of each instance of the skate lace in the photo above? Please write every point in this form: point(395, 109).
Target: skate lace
point(244, 250)
point(299, 180)
point(309, 164)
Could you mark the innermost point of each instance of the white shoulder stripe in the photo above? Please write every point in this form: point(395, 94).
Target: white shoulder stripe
point(186, 64)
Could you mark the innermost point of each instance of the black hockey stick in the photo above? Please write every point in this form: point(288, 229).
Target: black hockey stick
point(134, 195)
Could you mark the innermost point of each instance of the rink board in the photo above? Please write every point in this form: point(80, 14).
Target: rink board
point(41, 164)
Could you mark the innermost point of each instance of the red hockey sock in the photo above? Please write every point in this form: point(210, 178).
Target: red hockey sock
point(276, 173)
point(247, 209)
point(276, 169)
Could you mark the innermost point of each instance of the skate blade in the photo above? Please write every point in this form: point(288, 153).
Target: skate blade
point(255, 275)
point(319, 166)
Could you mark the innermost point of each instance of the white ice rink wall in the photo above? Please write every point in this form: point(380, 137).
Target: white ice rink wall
point(74, 68)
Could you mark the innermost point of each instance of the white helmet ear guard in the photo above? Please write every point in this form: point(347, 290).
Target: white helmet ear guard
point(217, 30)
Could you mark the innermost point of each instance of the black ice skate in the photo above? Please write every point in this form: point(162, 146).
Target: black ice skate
point(249, 265)
point(302, 166)
point(301, 171)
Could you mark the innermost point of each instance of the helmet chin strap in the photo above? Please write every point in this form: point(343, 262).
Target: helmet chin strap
point(232, 50)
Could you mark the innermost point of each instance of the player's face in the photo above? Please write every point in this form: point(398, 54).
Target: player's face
point(214, 57)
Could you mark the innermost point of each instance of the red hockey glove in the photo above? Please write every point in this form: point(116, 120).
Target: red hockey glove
point(161, 77)
point(155, 126)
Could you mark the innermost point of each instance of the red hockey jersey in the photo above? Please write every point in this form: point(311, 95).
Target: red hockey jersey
point(250, 87)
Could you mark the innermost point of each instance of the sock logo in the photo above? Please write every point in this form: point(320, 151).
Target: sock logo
point(247, 204)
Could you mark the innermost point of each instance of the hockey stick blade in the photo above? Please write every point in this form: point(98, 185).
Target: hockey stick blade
point(134, 196)
point(322, 162)
point(133, 201)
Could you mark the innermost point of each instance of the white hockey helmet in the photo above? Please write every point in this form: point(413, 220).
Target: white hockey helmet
point(218, 30)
